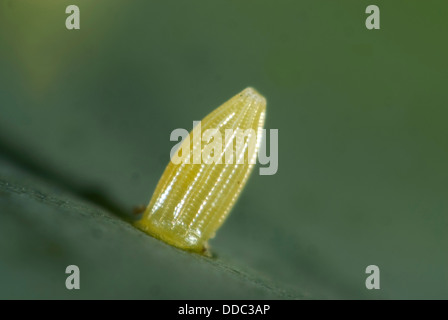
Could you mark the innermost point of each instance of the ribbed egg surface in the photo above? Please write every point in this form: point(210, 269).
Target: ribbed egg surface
point(197, 191)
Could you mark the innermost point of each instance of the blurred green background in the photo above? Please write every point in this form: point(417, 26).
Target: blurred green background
point(85, 119)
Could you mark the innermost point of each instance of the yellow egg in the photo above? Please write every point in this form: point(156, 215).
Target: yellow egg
point(197, 191)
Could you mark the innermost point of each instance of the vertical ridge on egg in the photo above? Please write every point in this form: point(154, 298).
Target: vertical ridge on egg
point(193, 198)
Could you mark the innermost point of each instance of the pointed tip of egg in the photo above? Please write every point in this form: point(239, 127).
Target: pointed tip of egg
point(253, 94)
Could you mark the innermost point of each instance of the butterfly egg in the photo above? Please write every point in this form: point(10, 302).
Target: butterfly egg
point(203, 180)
